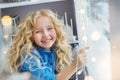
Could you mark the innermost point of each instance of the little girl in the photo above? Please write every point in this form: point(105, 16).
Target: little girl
point(41, 48)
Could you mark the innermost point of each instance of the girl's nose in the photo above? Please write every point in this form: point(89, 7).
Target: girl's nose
point(45, 33)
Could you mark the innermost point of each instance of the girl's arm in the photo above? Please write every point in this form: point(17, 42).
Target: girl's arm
point(66, 73)
point(80, 60)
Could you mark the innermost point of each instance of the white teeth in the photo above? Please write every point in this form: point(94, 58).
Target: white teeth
point(46, 41)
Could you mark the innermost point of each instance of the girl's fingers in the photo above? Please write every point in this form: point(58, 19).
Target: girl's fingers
point(87, 48)
point(83, 58)
point(84, 50)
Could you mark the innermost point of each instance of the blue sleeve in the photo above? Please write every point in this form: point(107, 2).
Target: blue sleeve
point(36, 69)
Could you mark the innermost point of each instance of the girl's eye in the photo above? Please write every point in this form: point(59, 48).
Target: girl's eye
point(38, 31)
point(50, 28)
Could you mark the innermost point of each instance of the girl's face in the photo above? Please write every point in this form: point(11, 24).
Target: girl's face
point(44, 33)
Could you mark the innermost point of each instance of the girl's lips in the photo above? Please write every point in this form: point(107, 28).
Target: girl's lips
point(46, 40)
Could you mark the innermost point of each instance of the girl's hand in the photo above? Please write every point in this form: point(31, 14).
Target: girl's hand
point(81, 58)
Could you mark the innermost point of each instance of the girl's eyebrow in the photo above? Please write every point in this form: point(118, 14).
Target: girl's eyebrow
point(36, 29)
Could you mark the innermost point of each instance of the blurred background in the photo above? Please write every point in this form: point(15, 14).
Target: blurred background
point(115, 38)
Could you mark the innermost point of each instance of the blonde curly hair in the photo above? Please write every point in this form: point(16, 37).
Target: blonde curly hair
point(23, 40)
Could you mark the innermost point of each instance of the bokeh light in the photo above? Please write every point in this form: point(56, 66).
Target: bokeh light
point(95, 36)
point(6, 21)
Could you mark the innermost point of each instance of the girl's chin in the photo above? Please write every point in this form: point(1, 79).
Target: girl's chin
point(47, 47)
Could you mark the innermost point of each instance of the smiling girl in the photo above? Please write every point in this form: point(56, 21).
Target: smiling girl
point(41, 48)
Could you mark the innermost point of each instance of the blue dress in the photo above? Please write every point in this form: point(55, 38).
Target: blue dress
point(42, 66)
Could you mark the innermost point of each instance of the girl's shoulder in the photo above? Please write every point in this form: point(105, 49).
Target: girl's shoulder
point(30, 62)
point(34, 54)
